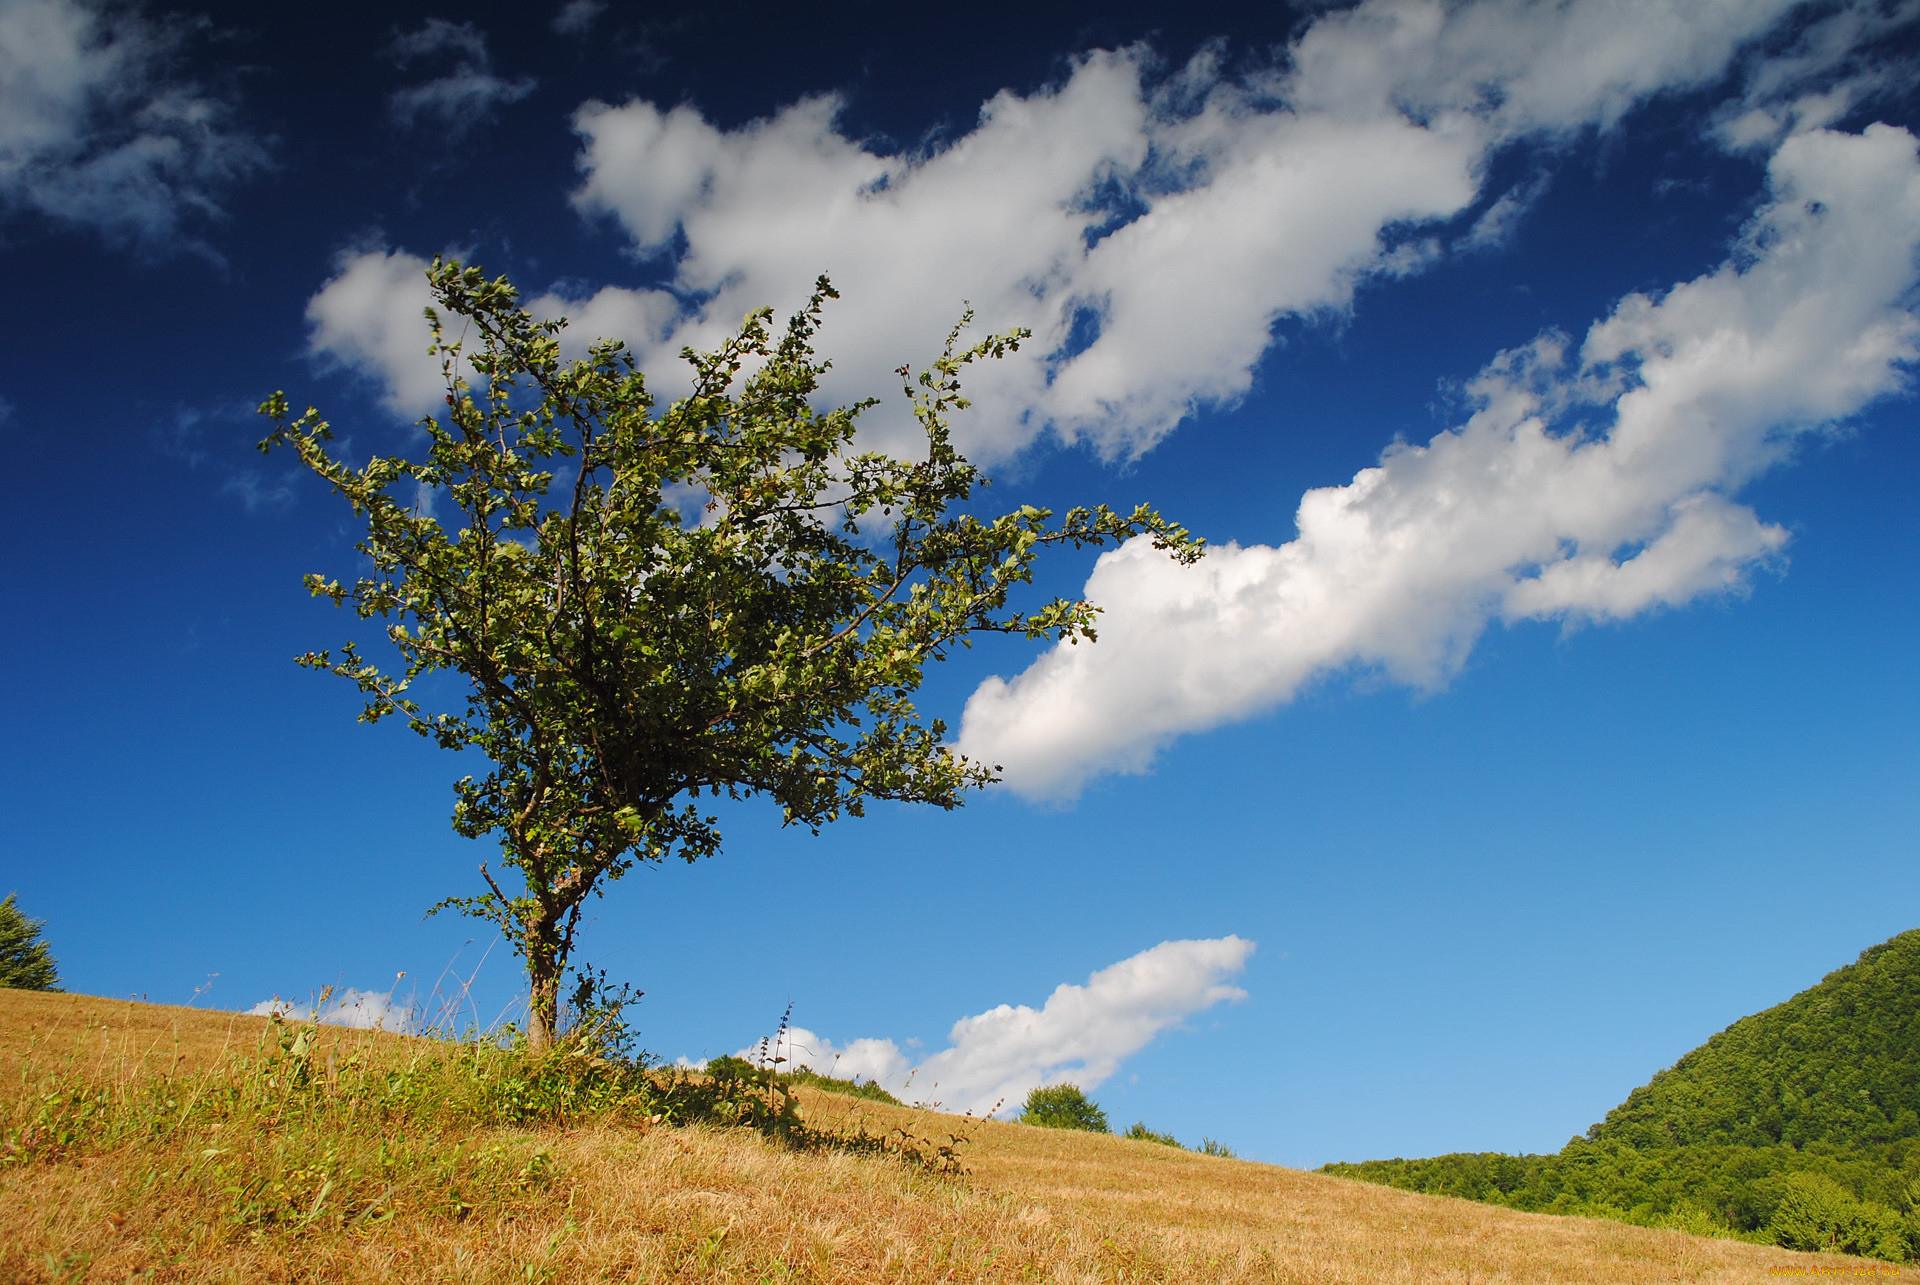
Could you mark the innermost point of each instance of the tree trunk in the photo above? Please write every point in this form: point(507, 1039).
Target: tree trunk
point(543, 1001)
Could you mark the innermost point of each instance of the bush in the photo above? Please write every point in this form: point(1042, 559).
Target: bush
point(869, 1090)
point(1141, 1133)
point(730, 1068)
point(1208, 1147)
point(1063, 1106)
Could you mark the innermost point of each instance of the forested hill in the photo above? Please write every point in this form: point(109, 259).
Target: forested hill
point(1837, 1063)
point(1800, 1124)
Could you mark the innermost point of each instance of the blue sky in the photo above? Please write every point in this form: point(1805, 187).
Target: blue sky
point(1539, 372)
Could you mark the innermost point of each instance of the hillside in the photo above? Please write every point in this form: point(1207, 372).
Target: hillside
point(1800, 1123)
point(1838, 1063)
point(205, 1193)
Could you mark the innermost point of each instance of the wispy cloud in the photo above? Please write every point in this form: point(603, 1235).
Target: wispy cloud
point(1080, 1035)
point(97, 130)
point(466, 94)
point(257, 492)
point(576, 17)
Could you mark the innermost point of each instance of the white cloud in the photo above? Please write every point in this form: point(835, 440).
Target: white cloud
point(1150, 236)
point(360, 1010)
point(1149, 229)
point(96, 131)
point(369, 318)
point(466, 94)
point(1521, 66)
point(1498, 222)
point(1079, 1036)
point(1851, 55)
point(1587, 486)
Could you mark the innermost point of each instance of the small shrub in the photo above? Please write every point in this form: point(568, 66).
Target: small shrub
point(1141, 1133)
point(1063, 1106)
point(1208, 1147)
point(729, 1068)
point(869, 1090)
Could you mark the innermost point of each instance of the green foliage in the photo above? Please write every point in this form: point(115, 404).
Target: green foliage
point(1816, 1213)
point(1796, 1125)
point(1208, 1147)
point(1141, 1133)
point(25, 961)
point(651, 608)
point(1063, 1106)
point(728, 1068)
point(1837, 1063)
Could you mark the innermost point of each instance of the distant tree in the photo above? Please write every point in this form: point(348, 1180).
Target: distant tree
point(1818, 1214)
point(651, 609)
point(25, 961)
point(1063, 1106)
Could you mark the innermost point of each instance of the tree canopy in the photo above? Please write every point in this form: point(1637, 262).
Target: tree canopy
point(1063, 1106)
point(654, 608)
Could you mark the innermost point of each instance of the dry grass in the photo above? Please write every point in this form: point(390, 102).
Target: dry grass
point(639, 1203)
point(126, 1038)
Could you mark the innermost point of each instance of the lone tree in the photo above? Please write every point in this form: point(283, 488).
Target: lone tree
point(652, 609)
point(25, 962)
point(1064, 1106)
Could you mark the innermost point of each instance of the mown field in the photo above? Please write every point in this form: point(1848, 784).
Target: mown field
point(143, 1142)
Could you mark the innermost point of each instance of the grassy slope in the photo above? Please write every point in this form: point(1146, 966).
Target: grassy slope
point(696, 1204)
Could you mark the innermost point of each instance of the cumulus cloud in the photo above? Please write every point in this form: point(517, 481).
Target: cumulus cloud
point(465, 94)
point(361, 1010)
point(369, 319)
point(1589, 484)
point(1079, 1036)
point(97, 131)
point(1149, 228)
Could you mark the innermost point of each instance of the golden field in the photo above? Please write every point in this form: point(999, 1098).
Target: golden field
point(116, 1167)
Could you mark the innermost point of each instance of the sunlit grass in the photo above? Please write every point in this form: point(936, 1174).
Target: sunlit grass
point(212, 1147)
